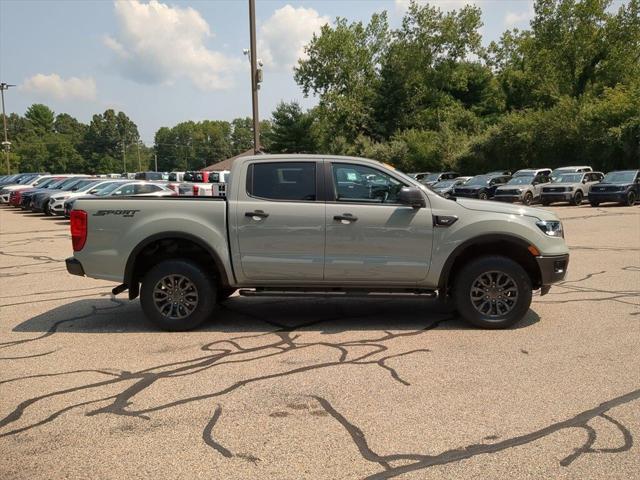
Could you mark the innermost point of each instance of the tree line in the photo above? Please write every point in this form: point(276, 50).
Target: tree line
point(429, 96)
point(425, 96)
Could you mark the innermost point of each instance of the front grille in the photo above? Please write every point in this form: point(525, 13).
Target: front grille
point(554, 189)
point(508, 192)
point(606, 189)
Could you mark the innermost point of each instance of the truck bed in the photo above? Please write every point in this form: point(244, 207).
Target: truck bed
point(119, 226)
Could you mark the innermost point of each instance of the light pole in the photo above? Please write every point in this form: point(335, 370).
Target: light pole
point(255, 80)
point(6, 144)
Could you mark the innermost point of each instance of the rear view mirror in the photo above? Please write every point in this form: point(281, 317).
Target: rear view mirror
point(411, 196)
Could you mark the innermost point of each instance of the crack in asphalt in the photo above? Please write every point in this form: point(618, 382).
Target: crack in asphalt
point(424, 461)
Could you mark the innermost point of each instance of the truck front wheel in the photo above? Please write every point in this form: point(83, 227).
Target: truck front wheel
point(492, 292)
point(177, 295)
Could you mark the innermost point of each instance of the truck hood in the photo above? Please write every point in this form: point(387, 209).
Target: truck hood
point(506, 208)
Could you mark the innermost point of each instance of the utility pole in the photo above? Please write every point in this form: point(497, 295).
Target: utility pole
point(138, 150)
point(155, 157)
point(254, 75)
point(6, 144)
point(124, 159)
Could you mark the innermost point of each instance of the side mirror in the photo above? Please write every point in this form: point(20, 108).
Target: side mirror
point(411, 196)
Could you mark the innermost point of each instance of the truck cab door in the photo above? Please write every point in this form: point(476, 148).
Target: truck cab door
point(278, 222)
point(371, 237)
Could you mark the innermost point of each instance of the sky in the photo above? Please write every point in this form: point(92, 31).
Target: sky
point(167, 61)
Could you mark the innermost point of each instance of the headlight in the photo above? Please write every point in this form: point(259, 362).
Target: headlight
point(553, 228)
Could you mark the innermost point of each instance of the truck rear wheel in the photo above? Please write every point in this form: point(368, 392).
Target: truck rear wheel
point(177, 295)
point(492, 292)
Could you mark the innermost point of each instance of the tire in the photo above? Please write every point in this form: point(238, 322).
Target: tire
point(528, 199)
point(577, 199)
point(594, 204)
point(193, 280)
point(630, 200)
point(502, 310)
point(545, 203)
point(45, 209)
point(483, 196)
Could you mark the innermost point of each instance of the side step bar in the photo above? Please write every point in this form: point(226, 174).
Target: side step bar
point(338, 294)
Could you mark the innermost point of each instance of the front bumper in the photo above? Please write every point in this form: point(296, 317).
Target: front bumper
point(553, 269)
point(556, 196)
point(57, 206)
point(607, 196)
point(508, 198)
point(74, 267)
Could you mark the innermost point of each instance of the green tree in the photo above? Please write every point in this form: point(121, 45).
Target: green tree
point(110, 135)
point(40, 117)
point(241, 135)
point(291, 130)
point(342, 68)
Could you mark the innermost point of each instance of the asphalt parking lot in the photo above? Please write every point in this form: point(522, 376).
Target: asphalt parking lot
point(291, 389)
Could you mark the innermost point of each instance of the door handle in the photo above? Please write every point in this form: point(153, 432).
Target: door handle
point(345, 218)
point(256, 215)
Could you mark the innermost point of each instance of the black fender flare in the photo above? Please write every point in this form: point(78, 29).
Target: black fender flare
point(475, 241)
point(133, 256)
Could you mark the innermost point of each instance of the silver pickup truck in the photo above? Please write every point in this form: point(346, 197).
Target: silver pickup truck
point(306, 225)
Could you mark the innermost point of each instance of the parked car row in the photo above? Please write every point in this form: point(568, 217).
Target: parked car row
point(572, 185)
point(55, 194)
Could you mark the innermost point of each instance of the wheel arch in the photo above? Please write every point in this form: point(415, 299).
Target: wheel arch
point(167, 244)
point(505, 245)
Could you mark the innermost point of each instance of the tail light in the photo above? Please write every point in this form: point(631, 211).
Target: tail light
point(195, 190)
point(78, 229)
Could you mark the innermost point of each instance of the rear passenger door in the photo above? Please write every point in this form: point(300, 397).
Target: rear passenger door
point(279, 222)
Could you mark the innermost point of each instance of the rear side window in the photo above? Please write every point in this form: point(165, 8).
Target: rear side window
point(282, 181)
point(145, 188)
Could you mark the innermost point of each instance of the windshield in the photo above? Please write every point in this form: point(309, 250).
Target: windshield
point(568, 178)
point(86, 185)
point(100, 187)
point(620, 177)
point(67, 182)
point(173, 177)
point(444, 184)
point(520, 180)
point(431, 177)
point(108, 189)
point(479, 180)
point(42, 181)
point(81, 184)
point(45, 183)
point(559, 171)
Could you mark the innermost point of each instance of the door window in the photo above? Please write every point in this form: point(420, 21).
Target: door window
point(126, 190)
point(357, 183)
point(282, 181)
point(145, 188)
